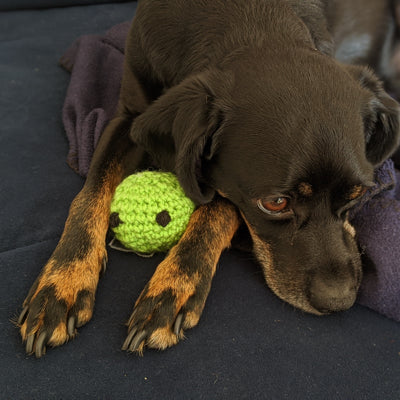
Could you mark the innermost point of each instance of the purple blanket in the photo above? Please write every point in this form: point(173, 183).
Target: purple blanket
point(95, 63)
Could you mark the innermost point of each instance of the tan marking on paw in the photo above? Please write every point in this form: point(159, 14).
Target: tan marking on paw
point(59, 336)
point(23, 328)
point(168, 275)
point(162, 338)
point(84, 316)
point(191, 319)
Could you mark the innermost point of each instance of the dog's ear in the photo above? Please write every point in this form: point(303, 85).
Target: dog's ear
point(381, 117)
point(313, 15)
point(180, 130)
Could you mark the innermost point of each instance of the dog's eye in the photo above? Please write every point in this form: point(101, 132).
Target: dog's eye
point(274, 206)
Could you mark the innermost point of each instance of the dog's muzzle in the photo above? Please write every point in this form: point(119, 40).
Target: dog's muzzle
point(331, 295)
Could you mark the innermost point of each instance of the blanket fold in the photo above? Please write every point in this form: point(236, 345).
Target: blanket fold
point(96, 64)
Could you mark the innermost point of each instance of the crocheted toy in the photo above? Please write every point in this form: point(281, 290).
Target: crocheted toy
point(150, 212)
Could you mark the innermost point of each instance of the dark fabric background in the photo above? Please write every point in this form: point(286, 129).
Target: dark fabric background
point(34, 4)
point(248, 344)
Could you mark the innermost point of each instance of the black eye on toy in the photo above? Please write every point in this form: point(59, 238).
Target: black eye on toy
point(114, 220)
point(163, 218)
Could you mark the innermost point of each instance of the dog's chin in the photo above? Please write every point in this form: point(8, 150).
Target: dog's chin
point(286, 289)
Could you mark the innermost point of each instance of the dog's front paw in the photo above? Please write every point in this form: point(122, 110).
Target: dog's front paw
point(61, 300)
point(158, 322)
point(170, 303)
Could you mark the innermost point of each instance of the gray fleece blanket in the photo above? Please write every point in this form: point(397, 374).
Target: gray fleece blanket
point(96, 64)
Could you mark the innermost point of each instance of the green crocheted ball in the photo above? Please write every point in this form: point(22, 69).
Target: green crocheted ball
point(150, 212)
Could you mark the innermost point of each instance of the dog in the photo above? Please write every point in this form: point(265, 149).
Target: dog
point(258, 109)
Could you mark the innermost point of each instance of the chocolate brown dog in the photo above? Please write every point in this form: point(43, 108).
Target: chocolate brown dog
point(245, 102)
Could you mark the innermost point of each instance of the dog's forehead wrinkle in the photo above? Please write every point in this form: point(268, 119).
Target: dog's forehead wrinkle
point(295, 76)
point(277, 140)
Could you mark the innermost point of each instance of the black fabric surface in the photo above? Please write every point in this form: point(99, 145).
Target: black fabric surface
point(248, 344)
point(34, 4)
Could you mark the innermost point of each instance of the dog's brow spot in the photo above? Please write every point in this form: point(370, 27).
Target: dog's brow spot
point(357, 191)
point(305, 189)
point(222, 194)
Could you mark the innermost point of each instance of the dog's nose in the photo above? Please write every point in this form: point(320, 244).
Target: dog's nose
point(331, 295)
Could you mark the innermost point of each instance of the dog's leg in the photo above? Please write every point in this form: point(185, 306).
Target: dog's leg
point(62, 297)
point(174, 298)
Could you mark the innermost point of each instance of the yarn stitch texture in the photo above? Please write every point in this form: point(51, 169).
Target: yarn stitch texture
point(139, 199)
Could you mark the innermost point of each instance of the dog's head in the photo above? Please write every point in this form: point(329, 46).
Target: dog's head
point(293, 144)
